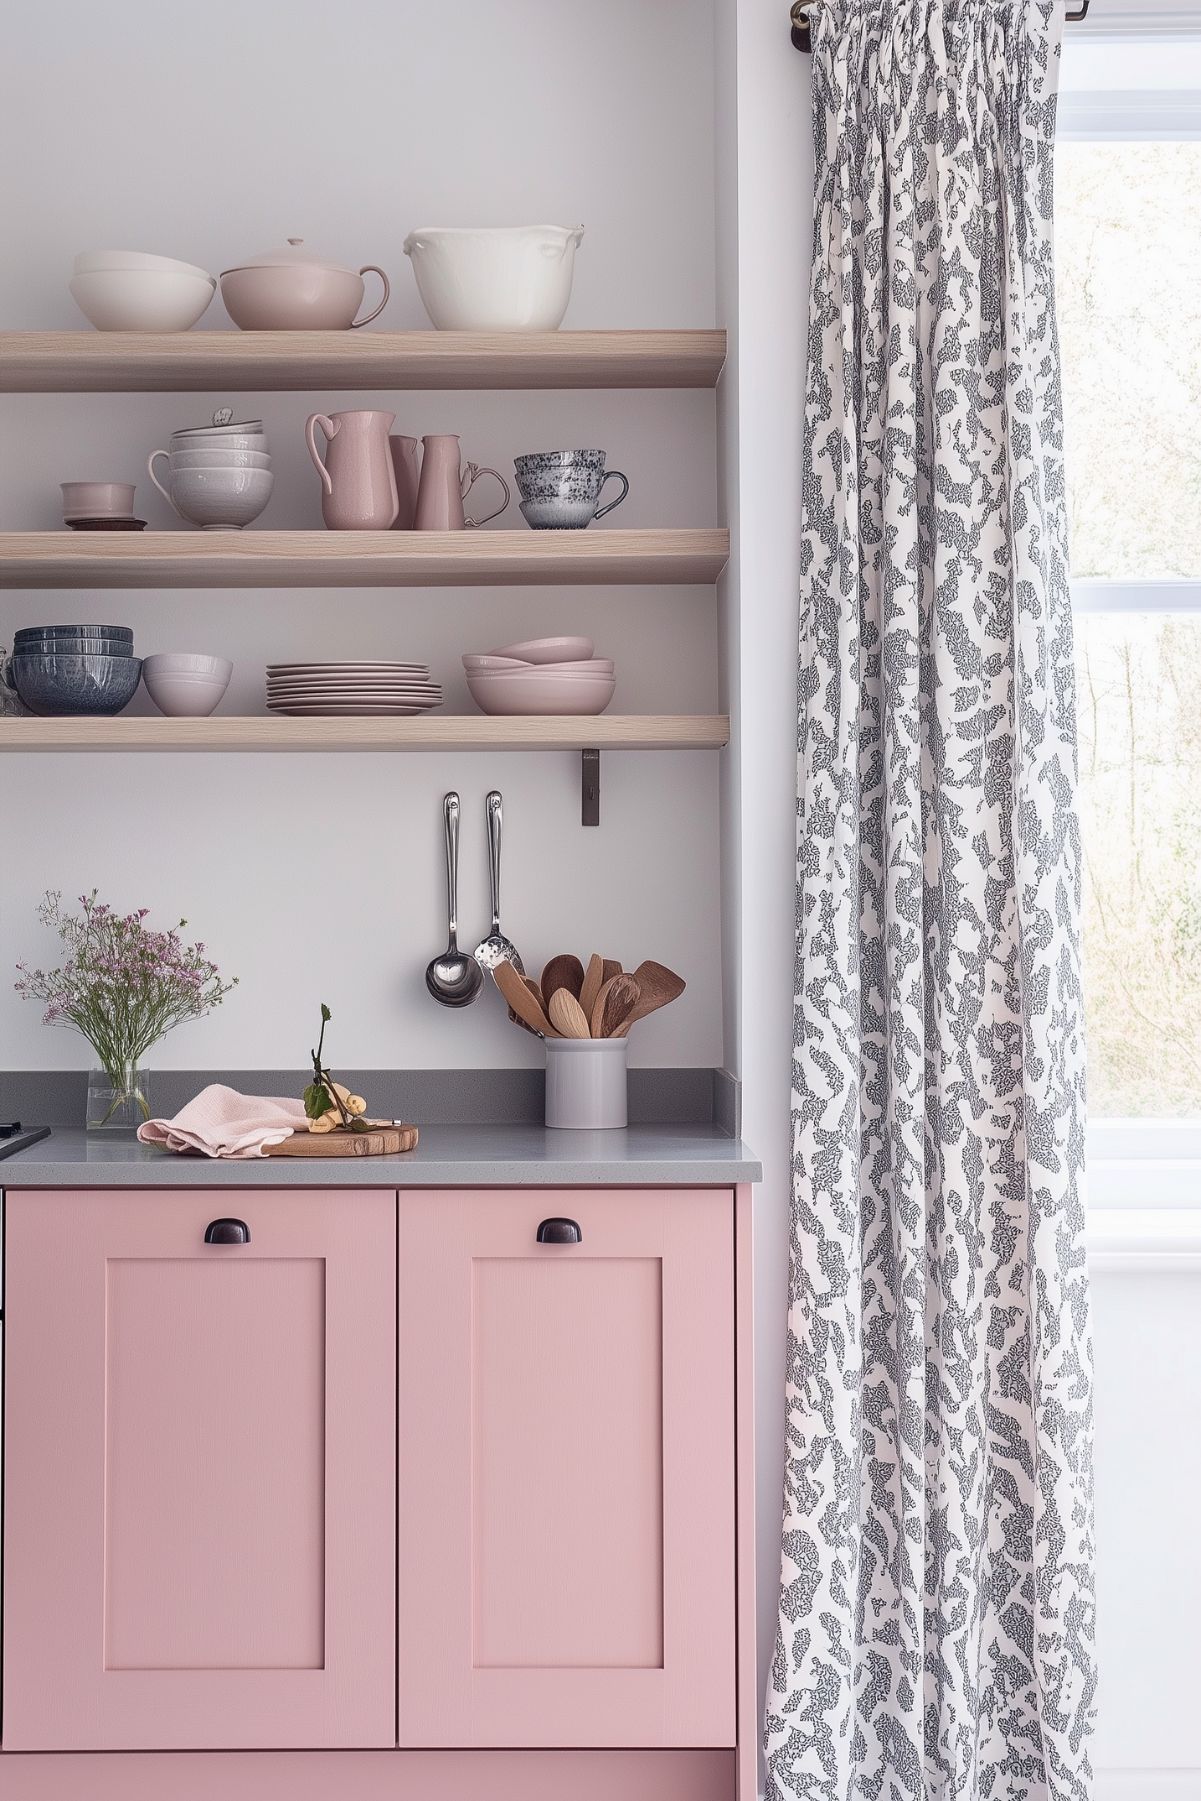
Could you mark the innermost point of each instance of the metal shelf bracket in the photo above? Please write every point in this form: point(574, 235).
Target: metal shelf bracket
point(590, 787)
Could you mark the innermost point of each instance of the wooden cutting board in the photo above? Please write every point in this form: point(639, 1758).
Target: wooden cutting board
point(377, 1141)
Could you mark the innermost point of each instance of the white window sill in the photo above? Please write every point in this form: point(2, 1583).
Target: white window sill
point(1144, 1240)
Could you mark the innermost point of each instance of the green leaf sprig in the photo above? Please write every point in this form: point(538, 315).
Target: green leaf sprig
point(321, 1095)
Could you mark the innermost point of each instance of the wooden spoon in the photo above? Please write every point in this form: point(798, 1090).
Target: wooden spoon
point(615, 1000)
point(659, 985)
point(567, 1016)
point(594, 977)
point(522, 1001)
point(562, 972)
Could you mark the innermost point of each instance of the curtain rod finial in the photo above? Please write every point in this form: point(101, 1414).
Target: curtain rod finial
point(800, 26)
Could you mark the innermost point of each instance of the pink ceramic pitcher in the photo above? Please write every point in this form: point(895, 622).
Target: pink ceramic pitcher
point(358, 484)
point(445, 483)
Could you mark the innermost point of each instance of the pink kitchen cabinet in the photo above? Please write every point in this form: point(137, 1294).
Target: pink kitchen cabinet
point(567, 1469)
point(200, 1528)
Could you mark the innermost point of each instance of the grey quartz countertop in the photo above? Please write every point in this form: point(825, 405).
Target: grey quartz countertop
point(517, 1156)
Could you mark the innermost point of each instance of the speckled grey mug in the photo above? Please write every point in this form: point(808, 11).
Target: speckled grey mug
point(562, 487)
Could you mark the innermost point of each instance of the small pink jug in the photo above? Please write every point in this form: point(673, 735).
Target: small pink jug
point(406, 466)
point(445, 483)
point(359, 487)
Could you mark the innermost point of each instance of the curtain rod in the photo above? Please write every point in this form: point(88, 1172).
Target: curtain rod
point(800, 21)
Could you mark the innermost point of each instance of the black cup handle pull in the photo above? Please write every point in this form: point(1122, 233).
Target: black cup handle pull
point(559, 1231)
point(227, 1231)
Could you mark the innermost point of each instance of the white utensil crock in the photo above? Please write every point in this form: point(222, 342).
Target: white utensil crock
point(586, 1082)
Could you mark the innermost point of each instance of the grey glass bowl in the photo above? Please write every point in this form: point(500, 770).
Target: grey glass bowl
point(74, 647)
point(29, 636)
point(76, 683)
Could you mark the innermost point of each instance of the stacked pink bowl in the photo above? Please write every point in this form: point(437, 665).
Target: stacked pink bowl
point(541, 676)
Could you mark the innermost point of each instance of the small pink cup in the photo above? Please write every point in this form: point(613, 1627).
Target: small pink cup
point(97, 500)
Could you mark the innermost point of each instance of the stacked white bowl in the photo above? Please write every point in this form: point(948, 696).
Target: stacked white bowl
point(218, 476)
point(133, 290)
point(541, 676)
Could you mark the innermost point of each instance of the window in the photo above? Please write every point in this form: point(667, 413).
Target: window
point(1129, 269)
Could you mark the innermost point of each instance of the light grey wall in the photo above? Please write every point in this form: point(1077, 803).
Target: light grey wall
point(213, 137)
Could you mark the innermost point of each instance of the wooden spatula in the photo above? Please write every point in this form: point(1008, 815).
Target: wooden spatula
point(567, 1016)
point(522, 1000)
point(594, 977)
point(614, 1002)
point(659, 986)
point(610, 967)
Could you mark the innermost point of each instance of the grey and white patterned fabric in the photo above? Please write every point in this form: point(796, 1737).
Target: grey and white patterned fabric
point(937, 1610)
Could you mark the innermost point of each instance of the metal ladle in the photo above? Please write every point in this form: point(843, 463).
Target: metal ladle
point(454, 978)
point(496, 948)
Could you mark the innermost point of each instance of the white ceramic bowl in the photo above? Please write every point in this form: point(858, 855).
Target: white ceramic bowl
point(219, 459)
point(507, 278)
point(187, 662)
point(548, 650)
point(184, 696)
point(89, 261)
point(142, 299)
point(513, 692)
point(255, 441)
point(219, 498)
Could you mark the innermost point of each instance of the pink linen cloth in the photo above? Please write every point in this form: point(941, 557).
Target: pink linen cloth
point(220, 1122)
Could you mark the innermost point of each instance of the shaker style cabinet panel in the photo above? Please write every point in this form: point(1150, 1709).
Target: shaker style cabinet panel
point(567, 1469)
point(199, 1471)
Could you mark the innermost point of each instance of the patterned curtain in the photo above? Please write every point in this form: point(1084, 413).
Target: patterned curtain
point(936, 1611)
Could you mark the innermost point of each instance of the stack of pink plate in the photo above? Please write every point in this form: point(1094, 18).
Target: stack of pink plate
point(351, 690)
point(541, 676)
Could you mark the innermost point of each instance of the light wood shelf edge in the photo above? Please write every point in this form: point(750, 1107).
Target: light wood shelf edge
point(636, 731)
point(252, 558)
point(88, 362)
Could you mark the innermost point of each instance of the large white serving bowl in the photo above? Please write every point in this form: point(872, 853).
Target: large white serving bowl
point(540, 692)
point(220, 498)
point(184, 696)
point(142, 299)
point(494, 278)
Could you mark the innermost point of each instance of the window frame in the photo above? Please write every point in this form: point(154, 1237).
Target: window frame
point(1141, 1163)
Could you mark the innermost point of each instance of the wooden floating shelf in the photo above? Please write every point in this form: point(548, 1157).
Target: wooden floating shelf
point(324, 559)
point(634, 731)
point(95, 362)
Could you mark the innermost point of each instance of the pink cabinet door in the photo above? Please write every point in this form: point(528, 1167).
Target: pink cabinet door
point(567, 1470)
point(199, 1471)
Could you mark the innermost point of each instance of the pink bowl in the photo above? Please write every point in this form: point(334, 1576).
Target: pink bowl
point(540, 692)
point(547, 650)
point(483, 665)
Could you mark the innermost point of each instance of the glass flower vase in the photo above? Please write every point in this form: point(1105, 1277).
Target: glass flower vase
point(118, 1099)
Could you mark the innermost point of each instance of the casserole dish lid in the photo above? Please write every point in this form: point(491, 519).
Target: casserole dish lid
point(292, 255)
